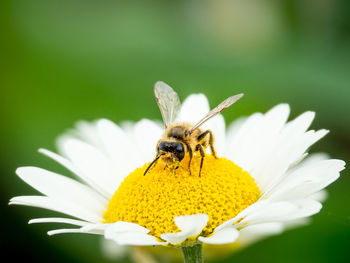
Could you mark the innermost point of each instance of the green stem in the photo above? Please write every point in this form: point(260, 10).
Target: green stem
point(193, 254)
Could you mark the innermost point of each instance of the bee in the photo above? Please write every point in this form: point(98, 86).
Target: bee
point(181, 138)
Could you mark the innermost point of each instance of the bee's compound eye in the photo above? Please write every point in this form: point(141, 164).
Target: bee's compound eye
point(179, 150)
point(176, 148)
point(179, 147)
point(163, 146)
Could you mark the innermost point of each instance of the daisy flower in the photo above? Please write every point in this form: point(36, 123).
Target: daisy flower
point(262, 182)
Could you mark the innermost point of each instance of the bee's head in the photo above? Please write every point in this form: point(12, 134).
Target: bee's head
point(172, 150)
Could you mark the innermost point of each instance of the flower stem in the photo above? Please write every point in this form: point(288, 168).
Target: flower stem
point(193, 254)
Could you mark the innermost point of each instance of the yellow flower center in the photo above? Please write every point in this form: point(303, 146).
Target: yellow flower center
point(152, 201)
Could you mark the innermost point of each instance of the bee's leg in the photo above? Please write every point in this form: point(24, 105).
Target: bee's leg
point(152, 163)
point(191, 155)
point(175, 161)
point(200, 148)
point(179, 164)
point(211, 141)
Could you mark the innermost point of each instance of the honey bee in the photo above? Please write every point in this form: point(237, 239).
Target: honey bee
point(181, 138)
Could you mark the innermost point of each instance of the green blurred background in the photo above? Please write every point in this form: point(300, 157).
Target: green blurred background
point(63, 61)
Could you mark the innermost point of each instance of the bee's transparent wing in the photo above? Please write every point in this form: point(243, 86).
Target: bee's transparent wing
point(222, 106)
point(168, 102)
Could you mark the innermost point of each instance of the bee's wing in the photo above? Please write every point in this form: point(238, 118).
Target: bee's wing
point(222, 106)
point(168, 102)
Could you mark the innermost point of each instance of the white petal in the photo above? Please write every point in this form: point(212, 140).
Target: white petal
point(62, 188)
point(320, 196)
point(60, 159)
point(64, 231)
point(136, 239)
point(87, 229)
point(70, 166)
point(271, 212)
point(235, 127)
point(146, 135)
point(254, 142)
point(253, 233)
point(313, 158)
point(305, 208)
point(191, 226)
point(125, 233)
point(87, 131)
point(57, 205)
point(255, 207)
point(91, 162)
point(239, 134)
point(275, 152)
point(120, 148)
point(194, 108)
point(266, 211)
point(116, 141)
point(302, 122)
point(307, 159)
point(265, 228)
point(296, 223)
point(267, 147)
point(112, 251)
point(121, 227)
point(58, 220)
point(308, 179)
point(223, 236)
point(281, 212)
point(290, 148)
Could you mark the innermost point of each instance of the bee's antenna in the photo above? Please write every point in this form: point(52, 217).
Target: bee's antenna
point(152, 163)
